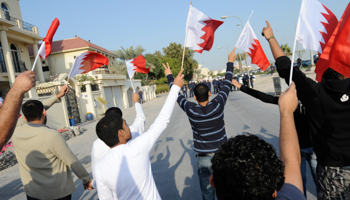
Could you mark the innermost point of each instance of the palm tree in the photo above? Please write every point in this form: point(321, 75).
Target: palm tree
point(128, 54)
point(286, 49)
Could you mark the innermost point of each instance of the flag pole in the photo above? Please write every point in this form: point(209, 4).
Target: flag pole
point(183, 53)
point(132, 85)
point(291, 67)
point(37, 56)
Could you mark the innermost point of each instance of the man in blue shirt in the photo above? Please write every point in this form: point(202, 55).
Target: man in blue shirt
point(184, 90)
point(209, 85)
point(247, 167)
point(207, 122)
point(215, 85)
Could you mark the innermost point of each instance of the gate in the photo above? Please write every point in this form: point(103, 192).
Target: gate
point(72, 105)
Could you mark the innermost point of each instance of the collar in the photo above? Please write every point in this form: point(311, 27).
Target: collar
point(341, 86)
point(36, 125)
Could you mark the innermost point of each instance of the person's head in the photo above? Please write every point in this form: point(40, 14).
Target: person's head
point(33, 110)
point(201, 92)
point(332, 74)
point(214, 79)
point(114, 110)
point(246, 167)
point(112, 130)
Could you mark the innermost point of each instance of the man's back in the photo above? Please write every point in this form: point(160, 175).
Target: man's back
point(43, 158)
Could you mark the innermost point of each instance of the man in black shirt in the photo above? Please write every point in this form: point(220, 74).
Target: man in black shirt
point(328, 109)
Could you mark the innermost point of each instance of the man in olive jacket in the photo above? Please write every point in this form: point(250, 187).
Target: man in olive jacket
point(44, 158)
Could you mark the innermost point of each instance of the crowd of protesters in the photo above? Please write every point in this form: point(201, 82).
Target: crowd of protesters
point(313, 124)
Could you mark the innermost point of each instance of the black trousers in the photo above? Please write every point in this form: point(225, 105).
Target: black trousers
point(69, 197)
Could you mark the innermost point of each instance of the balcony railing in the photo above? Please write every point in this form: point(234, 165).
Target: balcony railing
point(20, 24)
point(19, 66)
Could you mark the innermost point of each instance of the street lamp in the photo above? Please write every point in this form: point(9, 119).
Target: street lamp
point(226, 50)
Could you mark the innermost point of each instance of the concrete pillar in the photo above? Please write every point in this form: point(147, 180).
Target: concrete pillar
point(64, 108)
point(90, 106)
point(8, 57)
point(38, 68)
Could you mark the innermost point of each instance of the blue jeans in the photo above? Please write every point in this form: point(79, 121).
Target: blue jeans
point(185, 94)
point(204, 173)
point(308, 155)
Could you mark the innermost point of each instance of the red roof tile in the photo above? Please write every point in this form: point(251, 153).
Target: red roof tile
point(72, 43)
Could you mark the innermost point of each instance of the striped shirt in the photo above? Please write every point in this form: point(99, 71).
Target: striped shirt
point(207, 122)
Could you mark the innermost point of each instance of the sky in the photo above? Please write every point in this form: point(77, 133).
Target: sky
point(154, 24)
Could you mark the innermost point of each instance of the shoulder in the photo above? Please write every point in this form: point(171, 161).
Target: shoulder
point(289, 191)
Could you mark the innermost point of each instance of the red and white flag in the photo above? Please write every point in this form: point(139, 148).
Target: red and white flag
point(316, 24)
point(86, 62)
point(336, 54)
point(137, 64)
point(200, 30)
point(45, 48)
point(249, 43)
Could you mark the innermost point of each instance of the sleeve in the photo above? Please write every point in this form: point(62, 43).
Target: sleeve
point(59, 147)
point(138, 126)
point(225, 89)
point(305, 86)
point(181, 100)
point(104, 193)
point(146, 141)
point(260, 95)
point(49, 102)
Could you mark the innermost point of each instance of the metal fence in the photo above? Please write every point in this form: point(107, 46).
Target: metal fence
point(27, 26)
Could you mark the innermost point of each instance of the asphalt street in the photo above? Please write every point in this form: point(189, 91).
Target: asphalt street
point(174, 164)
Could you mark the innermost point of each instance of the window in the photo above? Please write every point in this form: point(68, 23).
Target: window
point(95, 87)
point(43, 62)
point(15, 58)
point(6, 11)
point(83, 89)
point(46, 69)
point(2, 61)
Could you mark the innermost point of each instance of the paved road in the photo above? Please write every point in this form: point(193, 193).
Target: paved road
point(173, 160)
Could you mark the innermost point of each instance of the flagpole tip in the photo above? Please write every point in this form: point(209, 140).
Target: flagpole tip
point(191, 3)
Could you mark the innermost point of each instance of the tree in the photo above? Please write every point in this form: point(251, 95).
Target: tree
point(286, 49)
point(175, 51)
point(241, 56)
point(128, 54)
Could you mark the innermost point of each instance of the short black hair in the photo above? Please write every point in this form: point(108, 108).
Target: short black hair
point(115, 110)
point(32, 110)
point(201, 92)
point(331, 74)
point(107, 129)
point(247, 167)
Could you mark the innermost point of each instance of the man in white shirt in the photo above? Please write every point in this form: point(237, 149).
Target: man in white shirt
point(100, 149)
point(126, 169)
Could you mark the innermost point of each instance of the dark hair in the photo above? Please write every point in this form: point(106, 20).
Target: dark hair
point(330, 74)
point(114, 110)
point(247, 167)
point(107, 129)
point(201, 92)
point(32, 110)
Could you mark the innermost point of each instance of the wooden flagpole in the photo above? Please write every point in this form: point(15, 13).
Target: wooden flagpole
point(183, 53)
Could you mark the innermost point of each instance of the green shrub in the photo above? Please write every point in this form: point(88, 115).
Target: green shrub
point(161, 81)
point(162, 88)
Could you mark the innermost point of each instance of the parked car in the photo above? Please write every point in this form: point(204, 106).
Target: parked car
point(306, 63)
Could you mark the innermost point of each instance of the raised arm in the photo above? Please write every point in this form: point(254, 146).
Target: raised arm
point(275, 48)
point(138, 126)
point(226, 88)
point(181, 100)
point(289, 144)
point(146, 141)
point(255, 93)
point(9, 111)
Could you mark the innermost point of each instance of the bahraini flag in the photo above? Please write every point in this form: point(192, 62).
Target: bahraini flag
point(249, 43)
point(86, 62)
point(200, 30)
point(47, 41)
point(137, 64)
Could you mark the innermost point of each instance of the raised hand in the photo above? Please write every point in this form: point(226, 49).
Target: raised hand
point(63, 91)
point(25, 81)
point(288, 101)
point(135, 98)
point(179, 80)
point(236, 83)
point(267, 31)
point(167, 69)
point(232, 56)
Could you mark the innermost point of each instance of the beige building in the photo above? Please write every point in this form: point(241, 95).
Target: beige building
point(15, 36)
